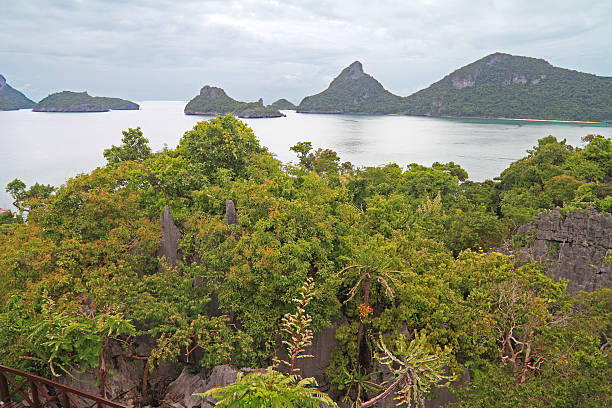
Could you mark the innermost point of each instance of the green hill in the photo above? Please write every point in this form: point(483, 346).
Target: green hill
point(509, 86)
point(353, 91)
point(214, 101)
point(283, 104)
point(67, 101)
point(12, 99)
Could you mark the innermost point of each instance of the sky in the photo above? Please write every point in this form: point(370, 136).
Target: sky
point(168, 49)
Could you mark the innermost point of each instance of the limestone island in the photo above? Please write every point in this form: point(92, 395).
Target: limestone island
point(67, 101)
point(498, 86)
point(214, 101)
point(283, 104)
point(12, 99)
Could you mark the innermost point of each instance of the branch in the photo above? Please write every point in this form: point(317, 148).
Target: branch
point(386, 392)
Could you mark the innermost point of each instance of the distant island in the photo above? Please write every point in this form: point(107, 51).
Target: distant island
point(67, 101)
point(283, 104)
point(353, 92)
point(213, 101)
point(12, 99)
point(499, 85)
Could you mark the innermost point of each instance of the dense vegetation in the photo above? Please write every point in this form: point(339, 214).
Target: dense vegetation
point(12, 99)
point(283, 104)
point(502, 85)
point(397, 256)
point(352, 91)
point(214, 101)
point(67, 101)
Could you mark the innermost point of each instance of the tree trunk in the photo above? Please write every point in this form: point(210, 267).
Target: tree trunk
point(366, 300)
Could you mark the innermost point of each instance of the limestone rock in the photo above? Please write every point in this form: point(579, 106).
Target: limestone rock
point(231, 216)
point(170, 238)
point(181, 390)
point(573, 247)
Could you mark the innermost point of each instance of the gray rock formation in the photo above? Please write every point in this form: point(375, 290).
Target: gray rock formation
point(180, 391)
point(573, 247)
point(170, 238)
point(231, 216)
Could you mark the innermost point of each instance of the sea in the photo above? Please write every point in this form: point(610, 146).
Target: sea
point(50, 148)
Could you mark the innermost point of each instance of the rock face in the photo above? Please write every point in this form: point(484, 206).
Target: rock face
point(180, 392)
point(170, 238)
point(12, 99)
point(67, 101)
point(214, 101)
point(573, 247)
point(352, 92)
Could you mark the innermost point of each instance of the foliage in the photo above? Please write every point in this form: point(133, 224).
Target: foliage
point(297, 327)
point(134, 147)
point(271, 389)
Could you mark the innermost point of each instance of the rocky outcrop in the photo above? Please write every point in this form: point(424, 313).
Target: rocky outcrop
point(572, 247)
point(231, 216)
point(170, 239)
point(180, 393)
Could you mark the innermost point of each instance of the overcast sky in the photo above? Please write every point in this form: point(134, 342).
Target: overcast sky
point(169, 49)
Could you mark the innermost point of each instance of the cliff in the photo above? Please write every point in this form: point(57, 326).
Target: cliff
point(67, 101)
point(12, 99)
point(572, 247)
point(212, 101)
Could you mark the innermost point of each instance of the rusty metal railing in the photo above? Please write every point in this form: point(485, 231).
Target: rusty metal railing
point(45, 393)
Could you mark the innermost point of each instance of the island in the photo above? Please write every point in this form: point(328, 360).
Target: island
point(352, 92)
point(68, 101)
point(12, 99)
point(283, 104)
point(212, 101)
point(499, 86)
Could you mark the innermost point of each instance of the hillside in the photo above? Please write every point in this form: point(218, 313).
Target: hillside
point(353, 91)
point(67, 101)
point(283, 104)
point(214, 101)
point(509, 86)
point(12, 99)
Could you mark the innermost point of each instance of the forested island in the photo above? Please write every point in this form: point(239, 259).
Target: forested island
point(500, 86)
point(213, 101)
point(165, 274)
point(283, 104)
point(68, 101)
point(12, 99)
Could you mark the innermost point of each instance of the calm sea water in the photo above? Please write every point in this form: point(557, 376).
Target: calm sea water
point(50, 147)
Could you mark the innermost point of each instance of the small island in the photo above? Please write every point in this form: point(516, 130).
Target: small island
point(67, 101)
point(12, 99)
point(214, 101)
point(283, 104)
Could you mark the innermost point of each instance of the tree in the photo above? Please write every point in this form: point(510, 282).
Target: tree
point(134, 147)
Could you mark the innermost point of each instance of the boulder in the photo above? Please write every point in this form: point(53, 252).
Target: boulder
point(231, 216)
point(180, 391)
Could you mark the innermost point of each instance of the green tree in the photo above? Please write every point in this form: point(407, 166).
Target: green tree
point(134, 147)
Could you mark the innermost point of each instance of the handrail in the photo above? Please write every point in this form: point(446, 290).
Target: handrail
point(66, 389)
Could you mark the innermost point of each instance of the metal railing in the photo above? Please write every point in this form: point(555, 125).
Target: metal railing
point(45, 393)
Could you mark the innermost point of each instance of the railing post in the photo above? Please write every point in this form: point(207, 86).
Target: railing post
point(34, 389)
point(65, 400)
point(4, 391)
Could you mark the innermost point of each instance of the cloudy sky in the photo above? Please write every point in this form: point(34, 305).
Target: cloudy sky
point(168, 49)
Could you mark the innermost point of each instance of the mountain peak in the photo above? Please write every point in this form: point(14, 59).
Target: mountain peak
point(353, 71)
point(2, 81)
point(212, 92)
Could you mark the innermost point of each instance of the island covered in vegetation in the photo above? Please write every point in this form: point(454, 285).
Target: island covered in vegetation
point(68, 101)
point(214, 257)
point(213, 101)
point(497, 86)
point(12, 99)
point(283, 104)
